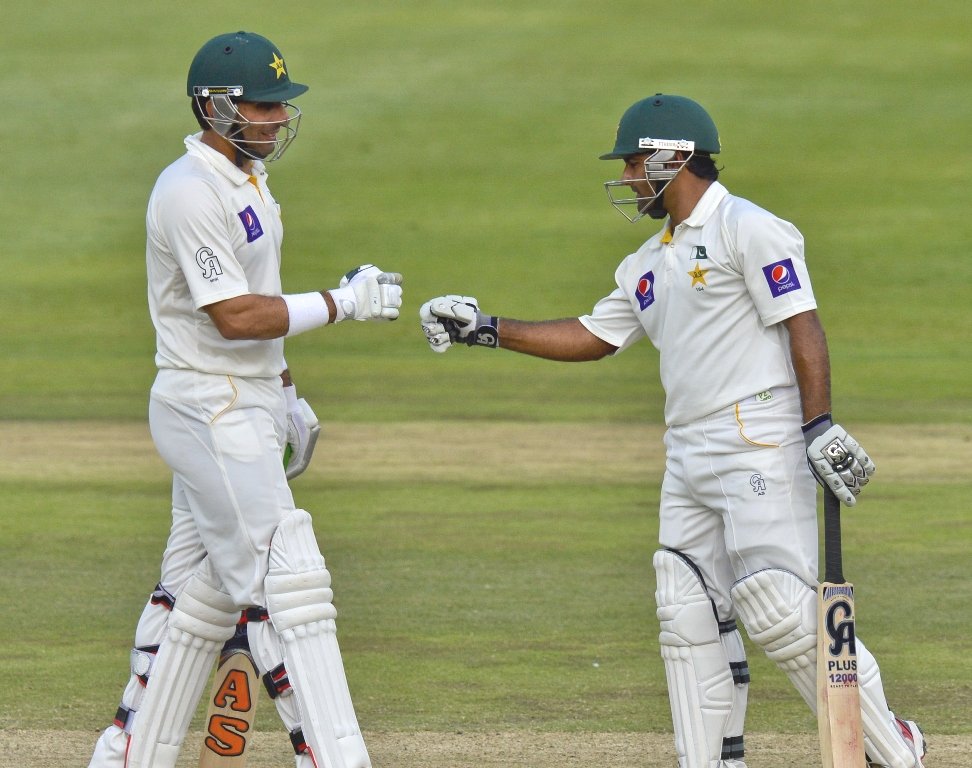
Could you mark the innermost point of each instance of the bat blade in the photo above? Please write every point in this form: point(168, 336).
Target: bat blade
point(838, 695)
point(232, 707)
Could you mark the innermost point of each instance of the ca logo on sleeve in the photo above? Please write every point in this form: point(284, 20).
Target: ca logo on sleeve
point(208, 263)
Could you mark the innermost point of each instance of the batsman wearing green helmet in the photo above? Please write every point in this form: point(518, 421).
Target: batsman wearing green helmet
point(724, 294)
point(225, 417)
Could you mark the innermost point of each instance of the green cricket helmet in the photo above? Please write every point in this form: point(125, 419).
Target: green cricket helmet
point(243, 66)
point(659, 127)
point(664, 117)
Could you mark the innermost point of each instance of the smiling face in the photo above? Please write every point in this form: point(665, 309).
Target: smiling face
point(255, 130)
point(261, 123)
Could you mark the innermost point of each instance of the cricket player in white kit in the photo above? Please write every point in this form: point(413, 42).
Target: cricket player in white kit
point(723, 292)
point(225, 416)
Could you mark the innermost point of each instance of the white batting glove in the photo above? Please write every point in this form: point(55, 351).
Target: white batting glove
point(837, 459)
point(303, 429)
point(452, 318)
point(368, 293)
point(435, 332)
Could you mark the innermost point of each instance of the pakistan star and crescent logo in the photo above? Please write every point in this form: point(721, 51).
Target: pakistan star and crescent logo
point(277, 65)
point(698, 275)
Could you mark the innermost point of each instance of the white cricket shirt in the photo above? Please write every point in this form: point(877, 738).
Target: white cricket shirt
point(710, 296)
point(213, 233)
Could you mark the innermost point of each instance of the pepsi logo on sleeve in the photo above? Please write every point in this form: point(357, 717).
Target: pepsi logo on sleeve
point(645, 291)
point(250, 223)
point(781, 277)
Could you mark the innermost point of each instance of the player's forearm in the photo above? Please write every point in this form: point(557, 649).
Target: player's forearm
point(257, 317)
point(250, 317)
point(566, 340)
point(811, 362)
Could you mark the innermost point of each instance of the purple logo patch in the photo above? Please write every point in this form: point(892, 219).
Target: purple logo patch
point(645, 292)
point(781, 277)
point(250, 223)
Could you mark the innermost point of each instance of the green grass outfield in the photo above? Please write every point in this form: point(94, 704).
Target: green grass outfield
point(457, 143)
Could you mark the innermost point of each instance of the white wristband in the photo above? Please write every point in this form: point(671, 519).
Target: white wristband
point(306, 310)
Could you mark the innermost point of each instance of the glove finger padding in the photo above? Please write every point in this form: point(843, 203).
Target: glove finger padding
point(381, 300)
point(368, 293)
point(438, 337)
point(462, 309)
point(435, 333)
point(839, 462)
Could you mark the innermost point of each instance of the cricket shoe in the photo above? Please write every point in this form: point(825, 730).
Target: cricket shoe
point(912, 734)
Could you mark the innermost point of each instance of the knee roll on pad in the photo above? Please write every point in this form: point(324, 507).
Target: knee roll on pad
point(779, 611)
point(708, 707)
point(203, 618)
point(299, 601)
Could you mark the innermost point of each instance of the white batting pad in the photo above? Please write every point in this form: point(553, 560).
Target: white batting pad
point(883, 741)
point(202, 619)
point(299, 601)
point(700, 684)
point(779, 611)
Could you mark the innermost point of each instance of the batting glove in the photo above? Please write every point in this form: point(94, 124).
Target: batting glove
point(452, 318)
point(836, 459)
point(303, 429)
point(368, 293)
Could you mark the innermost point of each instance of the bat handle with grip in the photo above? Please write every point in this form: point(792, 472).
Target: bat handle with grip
point(833, 553)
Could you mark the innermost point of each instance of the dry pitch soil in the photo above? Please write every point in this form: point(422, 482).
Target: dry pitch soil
point(71, 749)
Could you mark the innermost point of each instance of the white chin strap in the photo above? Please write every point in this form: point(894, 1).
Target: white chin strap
point(229, 123)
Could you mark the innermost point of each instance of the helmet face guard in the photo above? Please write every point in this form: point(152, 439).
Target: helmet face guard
point(230, 123)
point(661, 166)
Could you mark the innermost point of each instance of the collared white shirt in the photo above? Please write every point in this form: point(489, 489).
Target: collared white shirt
point(710, 296)
point(213, 233)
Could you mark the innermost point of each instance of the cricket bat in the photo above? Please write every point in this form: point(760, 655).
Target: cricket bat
point(838, 697)
point(232, 705)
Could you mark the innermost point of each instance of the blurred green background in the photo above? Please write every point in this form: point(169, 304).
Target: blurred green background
point(457, 143)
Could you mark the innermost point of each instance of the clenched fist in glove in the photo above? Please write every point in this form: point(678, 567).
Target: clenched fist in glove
point(837, 459)
point(452, 318)
point(368, 293)
point(303, 429)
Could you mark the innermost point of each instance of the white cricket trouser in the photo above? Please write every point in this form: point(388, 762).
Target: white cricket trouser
point(223, 437)
point(738, 496)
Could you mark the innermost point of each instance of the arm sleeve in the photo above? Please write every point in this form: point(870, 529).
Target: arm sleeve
point(193, 223)
point(613, 318)
point(771, 258)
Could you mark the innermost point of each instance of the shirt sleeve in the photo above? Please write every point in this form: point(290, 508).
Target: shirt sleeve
point(193, 223)
point(613, 319)
point(771, 256)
